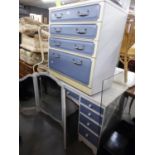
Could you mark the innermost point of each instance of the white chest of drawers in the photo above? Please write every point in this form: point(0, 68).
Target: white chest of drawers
point(84, 43)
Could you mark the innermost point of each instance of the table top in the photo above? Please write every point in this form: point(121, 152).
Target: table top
point(109, 95)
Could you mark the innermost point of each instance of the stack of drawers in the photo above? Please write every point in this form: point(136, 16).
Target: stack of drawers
point(84, 43)
point(90, 123)
point(91, 120)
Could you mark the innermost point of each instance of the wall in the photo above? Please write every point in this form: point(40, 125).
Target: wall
point(25, 10)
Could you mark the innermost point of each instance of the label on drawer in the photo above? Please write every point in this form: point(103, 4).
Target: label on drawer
point(75, 67)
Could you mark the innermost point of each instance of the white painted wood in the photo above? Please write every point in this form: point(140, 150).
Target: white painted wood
point(111, 24)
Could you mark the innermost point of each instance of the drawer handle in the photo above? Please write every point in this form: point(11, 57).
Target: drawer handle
point(77, 62)
point(57, 44)
point(86, 135)
point(68, 93)
point(83, 13)
point(89, 114)
point(81, 31)
point(58, 15)
point(90, 106)
point(88, 123)
point(56, 55)
point(78, 47)
point(57, 30)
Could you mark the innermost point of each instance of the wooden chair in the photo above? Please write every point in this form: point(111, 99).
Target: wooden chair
point(127, 52)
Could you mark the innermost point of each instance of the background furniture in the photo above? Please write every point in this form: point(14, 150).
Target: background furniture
point(127, 52)
point(24, 69)
point(118, 140)
point(84, 44)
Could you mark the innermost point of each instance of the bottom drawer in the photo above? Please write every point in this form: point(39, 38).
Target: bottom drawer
point(88, 135)
point(75, 67)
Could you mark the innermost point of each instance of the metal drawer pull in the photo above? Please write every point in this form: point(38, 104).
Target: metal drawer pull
point(77, 62)
point(83, 13)
point(90, 106)
point(58, 15)
point(68, 92)
point(81, 31)
point(57, 43)
point(86, 135)
point(88, 123)
point(57, 29)
point(89, 114)
point(56, 55)
point(79, 47)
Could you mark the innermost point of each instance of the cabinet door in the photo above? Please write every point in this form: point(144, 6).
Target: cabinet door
point(75, 67)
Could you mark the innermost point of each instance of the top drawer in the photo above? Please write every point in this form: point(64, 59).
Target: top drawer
point(82, 13)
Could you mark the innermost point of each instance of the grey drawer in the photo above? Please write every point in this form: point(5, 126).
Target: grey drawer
point(88, 135)
point(92, 106)
point(75, 67)
point(91, 115)
point(90, 124)
point(83, 47)
point(78, 13)
point(75, 30)
point(75, 96)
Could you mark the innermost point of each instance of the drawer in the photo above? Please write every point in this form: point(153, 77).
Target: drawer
point(88, 135)
point(92, 106)
point(75, 96)
point(90, 124)
point(82, 13)
point(75, 67)
point(83, 47)
point(75, 30)
point(97, 118)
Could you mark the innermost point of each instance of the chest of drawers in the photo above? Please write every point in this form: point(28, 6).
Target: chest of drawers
point(84, 43)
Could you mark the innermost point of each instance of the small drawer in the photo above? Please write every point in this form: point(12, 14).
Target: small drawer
point(88, 135)
point(75, 30)
point(75, 67)
point(91, 114)
point(92, 106)
point(90, 124)
point(82, 13)
point(75, 96)
point(83, 47)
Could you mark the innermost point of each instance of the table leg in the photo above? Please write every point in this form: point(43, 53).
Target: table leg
point(63, 104)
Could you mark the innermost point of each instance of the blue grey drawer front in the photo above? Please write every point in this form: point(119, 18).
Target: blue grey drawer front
point(75, 96)
point(82, 30)
point(88, 135)
point(92, 106)
point(90, 124)
point(83, 47)
point(76, 67)
point(91, 114)
point(90, 12)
